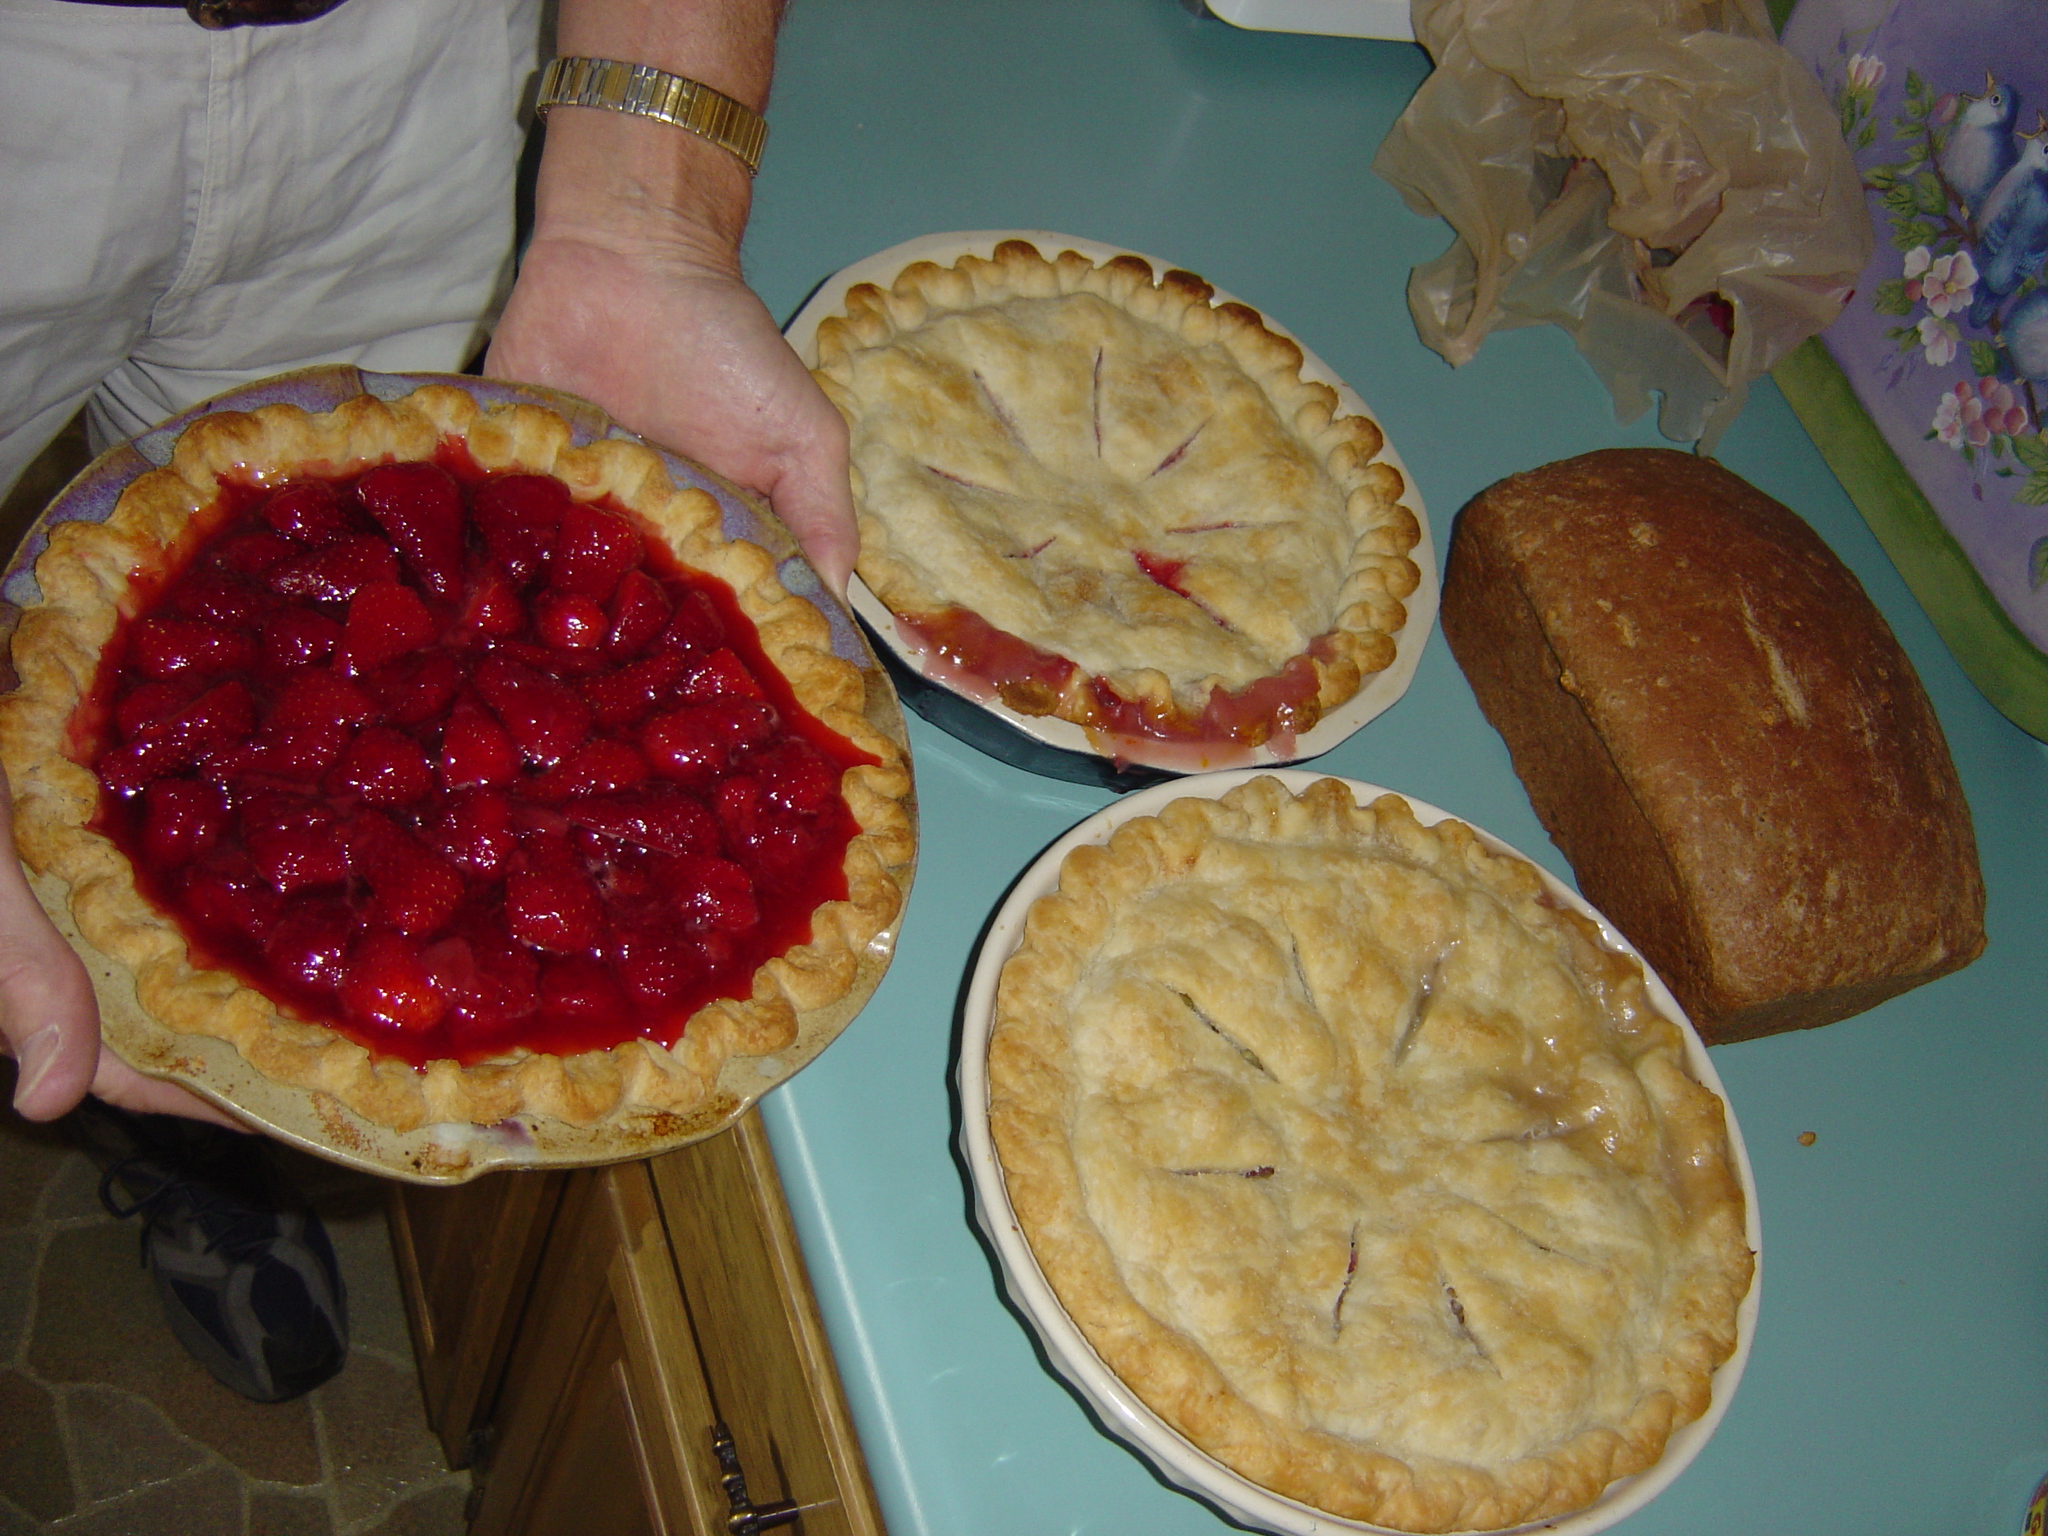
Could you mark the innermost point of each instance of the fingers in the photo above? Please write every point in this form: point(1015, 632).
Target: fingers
point(54, 1069)
point(49, 1021)
point(815, 502)
point(120, 1084)
point(790, 442)
point(724, 388)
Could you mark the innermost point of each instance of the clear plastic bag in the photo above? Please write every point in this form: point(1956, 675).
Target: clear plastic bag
point(1657, 176)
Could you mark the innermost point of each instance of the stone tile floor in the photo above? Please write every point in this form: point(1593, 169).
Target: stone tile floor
point(108, 1428)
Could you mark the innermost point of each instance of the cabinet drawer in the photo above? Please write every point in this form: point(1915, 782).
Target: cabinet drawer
point(642, 1352)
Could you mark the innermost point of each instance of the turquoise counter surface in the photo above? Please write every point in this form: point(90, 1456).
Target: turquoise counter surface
point(1900, 1375)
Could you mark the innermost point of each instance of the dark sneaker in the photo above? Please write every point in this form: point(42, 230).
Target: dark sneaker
point(247, 1276)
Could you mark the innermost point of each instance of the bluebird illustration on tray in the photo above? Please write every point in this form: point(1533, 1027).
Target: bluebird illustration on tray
point(2026, 336)
point(2012, 225)
point(1979, 149)
point(1946, 340)
point(1967, 200)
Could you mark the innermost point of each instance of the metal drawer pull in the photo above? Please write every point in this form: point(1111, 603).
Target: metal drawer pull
point(747, 1517)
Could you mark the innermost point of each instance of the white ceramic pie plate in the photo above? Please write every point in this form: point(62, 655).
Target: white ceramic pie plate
point(447, 1153)
point(1336, 18)
point(1379, 693)
point(1115, 1404)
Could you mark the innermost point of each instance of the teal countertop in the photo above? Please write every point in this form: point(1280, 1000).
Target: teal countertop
point(1900, 1376)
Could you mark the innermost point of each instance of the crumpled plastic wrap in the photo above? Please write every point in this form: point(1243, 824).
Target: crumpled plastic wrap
point(1657, 176)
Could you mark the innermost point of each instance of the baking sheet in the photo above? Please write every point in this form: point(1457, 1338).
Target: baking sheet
point(1116, 1407)
point(316, 1122)
point(1059, 748)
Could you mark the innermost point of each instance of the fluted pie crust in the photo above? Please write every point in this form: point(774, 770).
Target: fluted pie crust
point(1367, 1165)
point(1024, 428)
point(87, 578)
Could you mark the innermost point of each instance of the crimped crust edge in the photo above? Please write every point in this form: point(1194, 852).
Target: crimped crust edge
point(1369, 611)
point(1029, 1088)
point(85, 577)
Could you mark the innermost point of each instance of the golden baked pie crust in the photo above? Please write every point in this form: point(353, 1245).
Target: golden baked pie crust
point(1021, 427)
point(85, 577)
point(1367, 1166)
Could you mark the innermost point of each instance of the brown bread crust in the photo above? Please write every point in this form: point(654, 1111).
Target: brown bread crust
point(1721, 733)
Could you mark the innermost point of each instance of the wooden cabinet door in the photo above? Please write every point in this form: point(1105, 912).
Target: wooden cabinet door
point(770, 1378)
point(466, 1258)
point(663, 1371)
point(579, 1440)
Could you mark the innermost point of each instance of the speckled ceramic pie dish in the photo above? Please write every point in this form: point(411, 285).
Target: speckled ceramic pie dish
point(1293, 1210)
point(1119, 523)
point(441, 779)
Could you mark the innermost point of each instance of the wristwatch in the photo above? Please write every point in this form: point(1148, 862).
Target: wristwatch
point(645, 91)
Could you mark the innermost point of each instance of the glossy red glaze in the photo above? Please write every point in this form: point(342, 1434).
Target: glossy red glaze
point(420, 807)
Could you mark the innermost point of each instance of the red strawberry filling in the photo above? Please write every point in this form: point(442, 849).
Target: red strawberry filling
point(1032, 681)
point(457, 765)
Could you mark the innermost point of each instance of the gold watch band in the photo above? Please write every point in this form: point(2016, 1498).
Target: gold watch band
point(648, 92)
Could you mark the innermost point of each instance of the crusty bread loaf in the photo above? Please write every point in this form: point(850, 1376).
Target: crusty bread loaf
point(1720, 732)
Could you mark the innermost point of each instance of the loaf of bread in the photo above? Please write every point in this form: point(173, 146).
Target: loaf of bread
point(1721, 734)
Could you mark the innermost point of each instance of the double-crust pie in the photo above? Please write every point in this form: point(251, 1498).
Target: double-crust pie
point(449, 768)
point(1363, 1161)
point(1099, 495)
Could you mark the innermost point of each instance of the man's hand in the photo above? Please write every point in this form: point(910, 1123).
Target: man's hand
point(684, 354)
point(630, 294)
point(49, 1022)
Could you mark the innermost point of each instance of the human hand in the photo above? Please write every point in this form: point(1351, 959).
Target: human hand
point(49, 1021)
point(684, 354)
point(630, 294)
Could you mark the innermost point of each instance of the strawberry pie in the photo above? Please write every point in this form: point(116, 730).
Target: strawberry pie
point(448, 768)
point(1096, 494)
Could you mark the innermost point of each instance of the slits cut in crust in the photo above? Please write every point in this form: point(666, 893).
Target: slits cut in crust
point(1364, 1163)
point(88, 577)
point(1110, 466)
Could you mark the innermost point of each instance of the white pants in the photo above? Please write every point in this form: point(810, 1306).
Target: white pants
point(182, 211)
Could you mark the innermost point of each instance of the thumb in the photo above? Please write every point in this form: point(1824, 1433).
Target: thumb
point(49, 1021)
point(814, 501)
point(824, 540)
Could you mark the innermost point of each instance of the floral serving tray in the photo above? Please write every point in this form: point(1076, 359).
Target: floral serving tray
point(1926, 395)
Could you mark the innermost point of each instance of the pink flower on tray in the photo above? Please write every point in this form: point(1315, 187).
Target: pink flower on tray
point(1970, 416)
point(1944, 282)
point(1939, 339)
point(2004, 416)
point(1866, 72)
